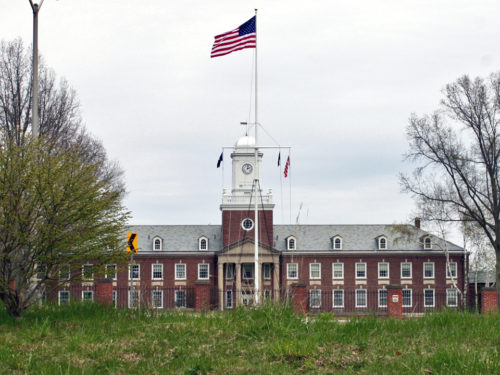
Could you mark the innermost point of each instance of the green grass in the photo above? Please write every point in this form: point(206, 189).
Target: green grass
point(90, 339)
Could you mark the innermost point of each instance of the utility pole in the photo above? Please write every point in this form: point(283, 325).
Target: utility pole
point(35, 118)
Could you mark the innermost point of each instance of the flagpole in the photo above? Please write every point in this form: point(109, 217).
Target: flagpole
point(257, 185)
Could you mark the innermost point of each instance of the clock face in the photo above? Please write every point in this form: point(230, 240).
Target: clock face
point(247, 168)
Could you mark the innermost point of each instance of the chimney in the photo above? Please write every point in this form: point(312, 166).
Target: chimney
point(417, 222)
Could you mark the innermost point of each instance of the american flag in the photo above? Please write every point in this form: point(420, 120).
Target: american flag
point(286, 167)
point(242, 37)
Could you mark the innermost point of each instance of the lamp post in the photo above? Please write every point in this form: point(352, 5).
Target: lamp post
point(35, 119)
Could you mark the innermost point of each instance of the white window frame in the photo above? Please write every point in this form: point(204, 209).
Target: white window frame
point(289, 269)
point(334, 243)
point(65, 292)
point(229, 299)
point(453, 268)
point(160, 247)
point(200, 243)
point(433, 270)
point(153, 271)
point(62, 272)
point(200, 266)
point(89, 293)
point(314, 298)
point(361, 292)
point(180, 269)
point(433, 298)
point(408, 290)
point(131, 271)
point(356, 270)
point(427, 243)
point(388, 270)
point(341, 269)
point(449, 292)
point(184, 300)
point(106, 272)
point(84, 266)
point(244, 268)
point(379, 297)
point(384, 240)
point(246, 221)
point(133, 295)
point(411, 270)
point(291, 243)
point(318, 271)
point(160, 300)
point(341, 291)
point(229, 274)
point(266, 271)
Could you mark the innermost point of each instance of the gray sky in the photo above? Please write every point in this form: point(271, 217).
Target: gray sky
point(337, 82)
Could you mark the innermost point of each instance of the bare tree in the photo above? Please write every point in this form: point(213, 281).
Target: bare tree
point(457, 151)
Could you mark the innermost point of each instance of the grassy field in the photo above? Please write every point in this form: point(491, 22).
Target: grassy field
point(89, 339)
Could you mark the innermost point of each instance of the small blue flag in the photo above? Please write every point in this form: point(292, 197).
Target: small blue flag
point(220, 159)
point(279, 159)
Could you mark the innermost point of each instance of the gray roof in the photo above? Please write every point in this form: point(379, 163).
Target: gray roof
point(483, 277)
point(309, 238)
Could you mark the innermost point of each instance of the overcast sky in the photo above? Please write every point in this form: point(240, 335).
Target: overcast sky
point(337, 82)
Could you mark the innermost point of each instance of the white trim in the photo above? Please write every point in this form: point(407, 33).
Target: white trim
point(433, 298)
point(251, 266)
point(335, 238)
point(229, 292)
point(411, 297)
point(136, 293)
point(356, 298)
point(83, 272)
point(229, 266)
point(401, 270)
point(176, 294)
point(311, 271)
point(153, 271)
point(59, 297)
point(356, 271)
point(388, 270)
point(448, 276)
point(264, 266)
point(160, 247)
point(91, 293)
point(333, 271)
point(208, 271)
point(291, 246)
point(106, 273)
point(245, 220)
point(160, 306)
point(427, 243)
point(315, 296)
point(288, 271)
point(333, 298)
point(130, 271)
point(378, 297)
point(379, 243)
point(433, 270)
point(448, 290)
point(180, 266)
point(200, 240)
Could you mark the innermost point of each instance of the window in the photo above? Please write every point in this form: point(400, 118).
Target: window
point(87, 272)
point(338, 298)
point(360, 297)
point(429, 297)
point(133, 298)
point(180, 271)
point(315, 270)
point(157, 299)
point(111, 271)
point(229, 299)
point(451, 297)
point(428, 270)
point(41, 271)
point(382, 243)
point(406, 270)
point(180, 298)
point(157, 244)
point(338, 270)
point(113, 298)
point(383, 270)
point(134, 272)
point(292, 271)
point(157, 271)
point(247, 224)
point(382, 298)
point(407, 298)
point(203, 244)
point(427, 243)
point(64, 273)
point(266, 270)
point(315, 298)
point(203, 271)
point(451, 270)
point(87, 295)
point(63, 297)
point(337, 243)
point(360, 270)
point(229, 271)
point(291, 243)
point(248, 270)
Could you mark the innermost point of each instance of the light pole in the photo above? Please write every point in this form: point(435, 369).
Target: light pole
point(35, 119)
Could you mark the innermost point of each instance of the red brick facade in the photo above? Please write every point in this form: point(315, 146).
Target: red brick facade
point(489, 300)
point(232, 231)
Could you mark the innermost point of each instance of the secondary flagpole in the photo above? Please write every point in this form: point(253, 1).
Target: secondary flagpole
point(257, 184)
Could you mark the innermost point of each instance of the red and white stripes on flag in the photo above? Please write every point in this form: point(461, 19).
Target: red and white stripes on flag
point(285, 173)
point(244, 36)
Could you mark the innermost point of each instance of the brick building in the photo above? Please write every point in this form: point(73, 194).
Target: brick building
point(342, 268)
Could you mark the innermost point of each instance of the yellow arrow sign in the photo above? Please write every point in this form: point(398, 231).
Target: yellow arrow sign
point(132, 242)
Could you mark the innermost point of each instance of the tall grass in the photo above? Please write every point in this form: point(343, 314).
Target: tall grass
point(91, 339)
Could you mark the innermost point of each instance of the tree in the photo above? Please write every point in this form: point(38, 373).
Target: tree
point(457, 150)
point(60, 196)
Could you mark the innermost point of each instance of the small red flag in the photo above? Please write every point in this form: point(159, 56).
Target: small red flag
point(286, 167)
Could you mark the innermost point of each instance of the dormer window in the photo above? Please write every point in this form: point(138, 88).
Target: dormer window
point(427, 243)
point(382, 243)
point(157, 244)
point(337, 243)
point(203, 244)
point(291, 243)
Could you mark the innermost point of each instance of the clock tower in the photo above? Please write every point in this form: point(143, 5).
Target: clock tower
point(237, 208)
